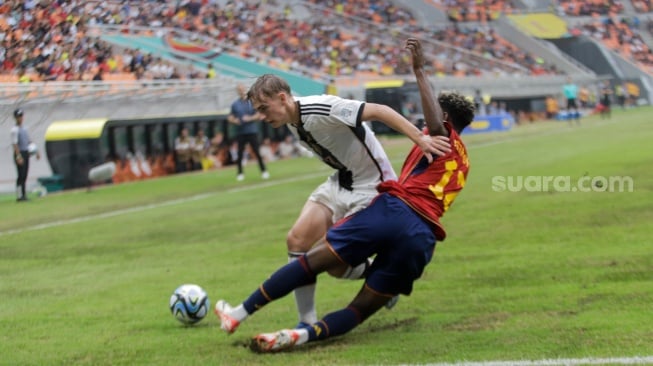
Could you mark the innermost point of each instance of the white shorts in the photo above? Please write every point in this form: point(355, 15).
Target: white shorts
point(341, 201)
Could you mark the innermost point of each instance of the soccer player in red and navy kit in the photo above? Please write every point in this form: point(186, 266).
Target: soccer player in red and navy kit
point(400, 227)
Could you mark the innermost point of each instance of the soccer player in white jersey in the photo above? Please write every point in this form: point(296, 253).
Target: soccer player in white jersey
point(332, 127)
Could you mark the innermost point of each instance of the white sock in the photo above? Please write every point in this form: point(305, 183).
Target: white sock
point(303, 336)
point(356, 273)
point(305, 300)
point(239, 313)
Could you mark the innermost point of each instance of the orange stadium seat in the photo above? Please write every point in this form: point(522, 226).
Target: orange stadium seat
point(8, 78)
point(158, 168)
point(169, 163)
point(119, 76)
point(4, 26)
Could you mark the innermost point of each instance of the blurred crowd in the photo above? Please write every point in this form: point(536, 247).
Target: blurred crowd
point(589, 7)
point(621, 34)
point(475, 11)
point(46, 39)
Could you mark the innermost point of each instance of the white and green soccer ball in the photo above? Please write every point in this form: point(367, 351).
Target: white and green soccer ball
point(189, 303)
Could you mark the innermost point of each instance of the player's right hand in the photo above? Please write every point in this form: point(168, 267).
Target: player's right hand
point(435, 145)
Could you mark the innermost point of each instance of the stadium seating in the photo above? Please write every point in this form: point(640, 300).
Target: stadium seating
point(642, 6)
point(620, 37)
point(590, 7)
point(477, 11)
point(343, 41)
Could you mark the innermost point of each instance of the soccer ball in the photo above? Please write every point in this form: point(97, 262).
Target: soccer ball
point(189, 303)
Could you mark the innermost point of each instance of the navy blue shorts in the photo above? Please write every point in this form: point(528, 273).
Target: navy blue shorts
point(402, 241)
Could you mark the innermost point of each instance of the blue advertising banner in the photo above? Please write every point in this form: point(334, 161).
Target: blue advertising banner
point(490, 123)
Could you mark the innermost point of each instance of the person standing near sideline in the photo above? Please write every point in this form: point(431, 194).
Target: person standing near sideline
point(246, 119)
point(606, 100)
point(20, 142)
point(570, 91)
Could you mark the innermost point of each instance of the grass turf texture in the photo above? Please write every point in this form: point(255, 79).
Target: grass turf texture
point(523, 275)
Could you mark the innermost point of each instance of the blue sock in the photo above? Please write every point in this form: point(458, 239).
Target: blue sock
point(281, 283)
point(334, 324)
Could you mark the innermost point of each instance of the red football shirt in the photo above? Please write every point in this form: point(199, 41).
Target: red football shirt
point(429, 189)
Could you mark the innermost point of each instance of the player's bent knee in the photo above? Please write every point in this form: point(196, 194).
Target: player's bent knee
point(302, 241)
point(297, 243)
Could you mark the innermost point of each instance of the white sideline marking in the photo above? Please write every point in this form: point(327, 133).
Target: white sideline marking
point(252, 187)
point(637, 360)
point(160, 204)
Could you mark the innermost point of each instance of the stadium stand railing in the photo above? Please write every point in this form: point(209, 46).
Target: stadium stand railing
point(13, 94)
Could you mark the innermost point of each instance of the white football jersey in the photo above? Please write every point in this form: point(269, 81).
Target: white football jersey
point(331, 127)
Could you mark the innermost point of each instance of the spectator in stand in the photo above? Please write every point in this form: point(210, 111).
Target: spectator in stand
point(183, 151)
point(200, 146)
point(267, 150)
point(493, 108)
point(210, 74)
point(288, 148)
point(193, 73)
point(219, 150)
point(99, 75)
point(503, 108)
point(23, 78)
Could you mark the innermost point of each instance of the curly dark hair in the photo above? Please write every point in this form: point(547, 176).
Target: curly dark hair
point(460, 109)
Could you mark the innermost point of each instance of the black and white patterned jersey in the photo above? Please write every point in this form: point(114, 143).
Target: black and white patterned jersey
point(331, 127)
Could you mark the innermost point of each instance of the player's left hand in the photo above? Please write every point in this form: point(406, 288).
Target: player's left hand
point(438, 145)
point(414, 46)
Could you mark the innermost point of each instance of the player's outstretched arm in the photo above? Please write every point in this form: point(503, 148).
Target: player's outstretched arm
point(433, 115)
point(394, 120)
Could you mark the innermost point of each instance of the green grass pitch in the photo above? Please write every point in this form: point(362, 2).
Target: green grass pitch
point(527, 273)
